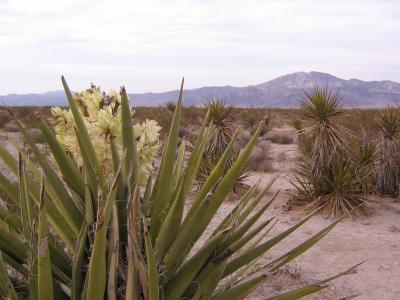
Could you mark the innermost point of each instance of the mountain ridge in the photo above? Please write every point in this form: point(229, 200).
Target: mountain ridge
point(282, 92)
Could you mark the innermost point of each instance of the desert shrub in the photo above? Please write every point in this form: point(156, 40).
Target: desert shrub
point(36, 136)
point(279, 137)
point(11, 127)
point(170, 106)
point(260, 159)
point(244, 136)
point(4, 119)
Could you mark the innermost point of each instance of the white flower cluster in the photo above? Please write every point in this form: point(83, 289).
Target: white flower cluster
point(102, 116)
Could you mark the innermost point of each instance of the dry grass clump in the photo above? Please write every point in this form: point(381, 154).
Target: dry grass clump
point(280, 137)
point(260, 159)
point(244, 136)
point(36, 136)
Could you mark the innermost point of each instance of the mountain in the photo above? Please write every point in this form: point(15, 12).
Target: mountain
point(285, 91)
point(56, 98)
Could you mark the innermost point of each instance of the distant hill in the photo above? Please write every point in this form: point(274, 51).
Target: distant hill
point(56, 98)
point(285, 92)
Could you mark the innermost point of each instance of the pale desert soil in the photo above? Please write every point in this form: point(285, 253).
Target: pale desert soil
point(374, 238)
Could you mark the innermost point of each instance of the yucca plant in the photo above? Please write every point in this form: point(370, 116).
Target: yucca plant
point(338, 191)
point(320, 107)
point(388, 177)
point(73, 230)
point(327, 172)
point(222, 129)
point(219, 118)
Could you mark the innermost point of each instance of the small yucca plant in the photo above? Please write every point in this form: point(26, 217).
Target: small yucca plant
point(74, 231)
point(221, 133)
point(338, 191)
point(222, 129)
point(388, 174)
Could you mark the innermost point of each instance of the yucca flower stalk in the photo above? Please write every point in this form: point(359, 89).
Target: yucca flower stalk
point(101, 236)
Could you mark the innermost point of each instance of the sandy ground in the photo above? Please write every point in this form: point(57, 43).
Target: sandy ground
point(374, 238)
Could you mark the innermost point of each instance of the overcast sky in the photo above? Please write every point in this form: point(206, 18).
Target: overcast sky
point(149, 45)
